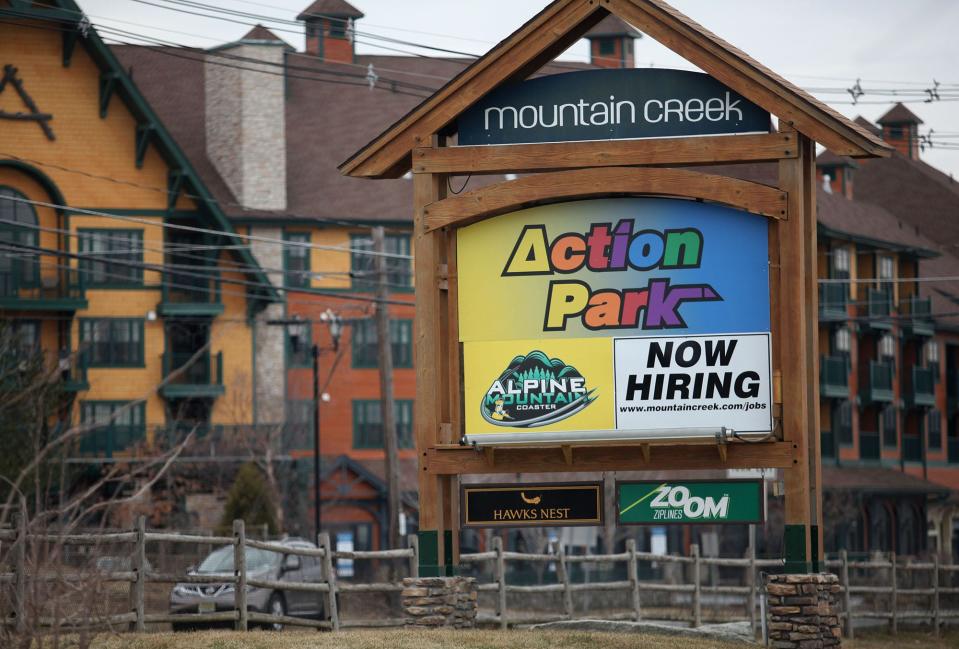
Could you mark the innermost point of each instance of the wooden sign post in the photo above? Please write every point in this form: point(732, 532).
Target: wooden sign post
point(572, 410)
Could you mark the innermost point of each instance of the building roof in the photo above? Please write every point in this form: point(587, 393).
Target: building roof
point(829, 159)
point(261, 33)
point(328, 116)
point(899, 114)
point(877, 480)
point(613, 26)
point(334, 8)
point(867, 125)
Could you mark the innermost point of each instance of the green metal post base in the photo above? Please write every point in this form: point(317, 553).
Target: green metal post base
point(817, 565)
point(794, 542)
point(429, 554)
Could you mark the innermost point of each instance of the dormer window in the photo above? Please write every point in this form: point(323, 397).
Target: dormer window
point(840, 263)
point(842, 340)
point(887, 347)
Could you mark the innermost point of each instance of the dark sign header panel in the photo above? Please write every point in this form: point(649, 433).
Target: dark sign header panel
point(532, 505)
point(610, 105)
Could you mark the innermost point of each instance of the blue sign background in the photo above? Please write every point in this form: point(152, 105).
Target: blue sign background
point(594, 87)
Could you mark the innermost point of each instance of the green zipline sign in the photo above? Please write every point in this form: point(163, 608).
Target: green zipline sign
point(689, 501)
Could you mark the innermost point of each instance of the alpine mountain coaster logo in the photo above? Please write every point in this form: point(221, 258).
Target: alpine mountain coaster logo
point(535, 390)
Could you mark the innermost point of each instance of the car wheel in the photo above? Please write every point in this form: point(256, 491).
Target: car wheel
point(276, 606)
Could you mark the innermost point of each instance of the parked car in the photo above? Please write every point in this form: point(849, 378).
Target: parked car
point(260, 564)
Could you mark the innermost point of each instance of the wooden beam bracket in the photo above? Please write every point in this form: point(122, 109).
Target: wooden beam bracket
point(145, 133)
point(108, 83)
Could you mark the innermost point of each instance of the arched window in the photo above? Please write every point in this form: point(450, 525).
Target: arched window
point(19, 267)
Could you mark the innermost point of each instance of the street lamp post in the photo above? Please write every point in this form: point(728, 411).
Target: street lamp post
point(335, 324)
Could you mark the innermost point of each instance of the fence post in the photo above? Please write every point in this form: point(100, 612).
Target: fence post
point(894, 622)
point(138, 587)
point(500, 581)
point(751, 579)
point(697, 604)
point(846, 597)
point(563, 573)
point(239, 571)
point(20, 567)
point(935, 595)
point(634, 577)
point(330, 574)
point(414, 542)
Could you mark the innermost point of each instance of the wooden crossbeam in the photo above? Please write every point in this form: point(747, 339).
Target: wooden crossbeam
point(519, 158)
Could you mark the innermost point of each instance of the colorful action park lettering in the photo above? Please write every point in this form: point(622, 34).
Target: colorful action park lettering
point(612, 267)
point(612, 249)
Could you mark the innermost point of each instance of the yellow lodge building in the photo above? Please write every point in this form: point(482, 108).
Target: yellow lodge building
point(118, 264)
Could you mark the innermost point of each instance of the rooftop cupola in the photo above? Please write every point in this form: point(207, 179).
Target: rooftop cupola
point(611, 43)
point(900, 128)
point(329, 29)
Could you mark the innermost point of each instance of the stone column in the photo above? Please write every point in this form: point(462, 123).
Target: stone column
point(440, 602)
point(801, 611)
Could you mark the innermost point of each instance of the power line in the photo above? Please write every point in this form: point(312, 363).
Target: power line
point(221, 233)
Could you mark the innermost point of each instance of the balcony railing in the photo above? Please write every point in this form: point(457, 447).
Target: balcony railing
point(880, 382)
point(869, 448)
point(22, 288)
point(923, 389)
point(912, 448)
point(834, 376)
point(879, 308)
point(833, 299)
point(73, 373)
point(201, 378)
point(191, 296)
point(919, 316)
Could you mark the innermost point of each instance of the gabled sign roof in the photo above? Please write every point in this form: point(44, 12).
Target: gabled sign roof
point(561, 24)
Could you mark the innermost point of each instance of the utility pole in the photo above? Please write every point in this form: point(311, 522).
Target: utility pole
point(388, 413)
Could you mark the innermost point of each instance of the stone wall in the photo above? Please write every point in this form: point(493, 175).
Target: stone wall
point(270, 393)
point(801, 611)
point(440, 601)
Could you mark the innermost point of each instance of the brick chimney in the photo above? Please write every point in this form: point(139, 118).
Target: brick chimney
point(328, 29)
point(246, 119)
point(900, 128)
point(840, 170)
point(611, 43)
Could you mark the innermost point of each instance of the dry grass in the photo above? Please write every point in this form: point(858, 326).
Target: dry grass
point(482, 639)
point(401, 639)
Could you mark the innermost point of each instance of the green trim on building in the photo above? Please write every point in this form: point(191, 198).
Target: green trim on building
point(129, 240)
point(794, 550)
point(112, 436)
point(429, 553)
point(399, 271)
point(366, 413)
point(298, 274)
point(303, 355)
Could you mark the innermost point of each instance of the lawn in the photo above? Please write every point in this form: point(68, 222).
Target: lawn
point(481, 639)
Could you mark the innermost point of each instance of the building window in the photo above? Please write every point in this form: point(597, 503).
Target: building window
point(843, 422)
point(887, 347)
point(934, 426)
point(368, 423)
point(299, 345)
point(840, 263)
point(842, 340)
point(112, 342)
point(337, 27)
point(885, 270)
point(19, 261)
point(113, 430)
point(111, 257)
point(298, 431)
point(887, 425)
point(607, 46)
point(365, 352)
point(24, 336)
point(296, 260)
point(399, 270)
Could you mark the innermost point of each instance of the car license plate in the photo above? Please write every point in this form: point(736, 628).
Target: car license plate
point(206, 607)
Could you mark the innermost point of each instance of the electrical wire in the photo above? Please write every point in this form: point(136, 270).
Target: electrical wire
point(221, 233)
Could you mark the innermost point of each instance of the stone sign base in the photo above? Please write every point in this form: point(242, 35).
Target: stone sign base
point(801, 611)
point(440, 602)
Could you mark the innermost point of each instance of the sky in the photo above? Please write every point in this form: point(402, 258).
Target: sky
point(820, 45)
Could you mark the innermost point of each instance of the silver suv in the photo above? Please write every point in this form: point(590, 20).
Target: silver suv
point(260, 564)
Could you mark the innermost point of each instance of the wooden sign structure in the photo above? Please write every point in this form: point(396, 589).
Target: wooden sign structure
point(573, 170)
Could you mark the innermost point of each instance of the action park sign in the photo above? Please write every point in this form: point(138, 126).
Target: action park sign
point(619, 318)
point(609, 105)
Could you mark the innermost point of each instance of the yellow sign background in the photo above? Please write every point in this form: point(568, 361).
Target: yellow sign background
point(593, 357)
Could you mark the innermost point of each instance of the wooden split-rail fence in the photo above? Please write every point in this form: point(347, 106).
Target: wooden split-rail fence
point(859, 601)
